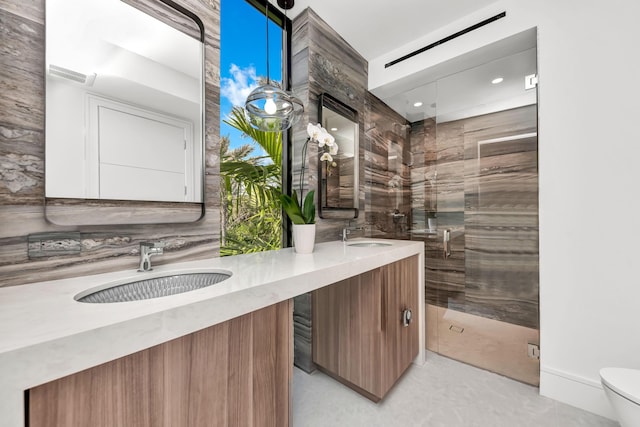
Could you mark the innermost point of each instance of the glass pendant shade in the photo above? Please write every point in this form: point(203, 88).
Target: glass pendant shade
point(268, 107)
point(271, 109)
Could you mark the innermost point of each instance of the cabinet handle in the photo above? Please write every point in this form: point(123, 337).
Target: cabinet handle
point(446, 238)
point(407, 317)
point(383, 308)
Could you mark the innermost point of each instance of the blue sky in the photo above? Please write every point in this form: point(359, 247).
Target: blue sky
point(242, 58)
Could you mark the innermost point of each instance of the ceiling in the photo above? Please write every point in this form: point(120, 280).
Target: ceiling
point(361, 23)
point(470, 92)
point(449, 91)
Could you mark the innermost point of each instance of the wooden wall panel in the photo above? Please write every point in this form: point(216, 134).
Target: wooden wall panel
point(371, 313)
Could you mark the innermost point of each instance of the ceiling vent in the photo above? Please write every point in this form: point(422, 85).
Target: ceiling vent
point(75, 76)
point(446, 39)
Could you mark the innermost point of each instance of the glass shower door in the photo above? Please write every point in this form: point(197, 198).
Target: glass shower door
point(482, 262)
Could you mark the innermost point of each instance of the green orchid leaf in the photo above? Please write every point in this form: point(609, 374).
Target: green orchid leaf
point(292, 208)
point(309, 209)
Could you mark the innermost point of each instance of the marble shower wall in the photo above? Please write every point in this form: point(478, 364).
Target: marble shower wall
point(501, 216)
point(103, 248)
point(388, 164)
point(483, 184)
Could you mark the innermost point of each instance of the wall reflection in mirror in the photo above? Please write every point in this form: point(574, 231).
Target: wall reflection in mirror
point(124, 105)
point(338, 195)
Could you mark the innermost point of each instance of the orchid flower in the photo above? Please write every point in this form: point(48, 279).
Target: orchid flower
point(314, 131)
point(326, 157)
point(326, 139)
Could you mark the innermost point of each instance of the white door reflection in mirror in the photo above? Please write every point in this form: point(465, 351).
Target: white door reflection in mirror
point(136, 155)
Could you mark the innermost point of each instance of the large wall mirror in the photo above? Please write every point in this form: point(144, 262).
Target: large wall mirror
point(338, 184)
point(124, 112)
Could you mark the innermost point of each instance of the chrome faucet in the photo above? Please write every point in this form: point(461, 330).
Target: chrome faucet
point(348, 229)
point(147, 250)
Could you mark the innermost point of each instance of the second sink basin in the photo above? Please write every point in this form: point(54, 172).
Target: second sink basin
point(368, 244)
point(153, 287)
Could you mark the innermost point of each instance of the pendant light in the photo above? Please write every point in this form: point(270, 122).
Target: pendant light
point(268, 107)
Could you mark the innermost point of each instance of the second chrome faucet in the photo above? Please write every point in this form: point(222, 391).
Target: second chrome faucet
point(347, 230)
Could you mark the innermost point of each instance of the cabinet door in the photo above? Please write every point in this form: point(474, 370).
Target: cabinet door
point(347, 325)
point(237, 373)
point(400, 342)
point(358, 335)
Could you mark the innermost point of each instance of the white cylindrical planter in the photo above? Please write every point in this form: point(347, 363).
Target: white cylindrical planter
point(304, 237)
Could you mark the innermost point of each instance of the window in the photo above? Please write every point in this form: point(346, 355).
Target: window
point(251, 173)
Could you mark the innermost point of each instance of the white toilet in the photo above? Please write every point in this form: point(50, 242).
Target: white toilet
point(622, 387)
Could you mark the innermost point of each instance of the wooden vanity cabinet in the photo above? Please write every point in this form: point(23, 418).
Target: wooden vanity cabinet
point(358, 333)
point(237, 373)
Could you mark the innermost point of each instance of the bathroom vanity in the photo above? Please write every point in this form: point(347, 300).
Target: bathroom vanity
point(223, 351)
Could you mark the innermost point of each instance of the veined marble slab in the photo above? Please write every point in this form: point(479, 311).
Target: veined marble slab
point(46, 334)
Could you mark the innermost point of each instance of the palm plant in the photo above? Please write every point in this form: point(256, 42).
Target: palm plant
point(251, 190)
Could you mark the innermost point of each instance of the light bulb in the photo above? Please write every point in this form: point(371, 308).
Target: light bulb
point(270, 106)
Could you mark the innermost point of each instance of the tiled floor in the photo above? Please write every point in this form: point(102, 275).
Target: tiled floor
point(443, 392)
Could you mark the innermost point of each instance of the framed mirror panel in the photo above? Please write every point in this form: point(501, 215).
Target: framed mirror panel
point(338, 179)
point(124, 132)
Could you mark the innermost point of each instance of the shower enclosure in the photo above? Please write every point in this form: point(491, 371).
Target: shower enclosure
point(474, 202)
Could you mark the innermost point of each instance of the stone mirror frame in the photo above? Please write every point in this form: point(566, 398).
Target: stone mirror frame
point(338, 180)
point(124, 113)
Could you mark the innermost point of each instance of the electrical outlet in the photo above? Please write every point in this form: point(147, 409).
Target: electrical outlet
point(53, 244)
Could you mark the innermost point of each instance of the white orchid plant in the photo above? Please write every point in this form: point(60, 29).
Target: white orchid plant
point(326, 144)
point(304, 211)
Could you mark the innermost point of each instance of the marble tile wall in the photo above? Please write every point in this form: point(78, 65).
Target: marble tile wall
point(387, 183)
point(486, 194)
point(322, 62)
point(444, 180)
point(501, 216)
point(22, 199)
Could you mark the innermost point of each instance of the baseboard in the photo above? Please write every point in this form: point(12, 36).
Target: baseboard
point(574, 390)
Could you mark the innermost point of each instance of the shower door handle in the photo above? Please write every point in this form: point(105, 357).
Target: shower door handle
point(446, 243)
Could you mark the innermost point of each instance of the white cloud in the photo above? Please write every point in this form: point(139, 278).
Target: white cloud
point(239, 85)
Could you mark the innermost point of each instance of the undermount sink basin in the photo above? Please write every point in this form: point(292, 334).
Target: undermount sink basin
point(368, 244)
point(153, 288)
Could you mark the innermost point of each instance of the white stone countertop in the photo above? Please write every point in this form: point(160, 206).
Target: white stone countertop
point(46, 334)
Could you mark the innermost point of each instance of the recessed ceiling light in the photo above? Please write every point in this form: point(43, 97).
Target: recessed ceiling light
point(417, 104)
point(334, 129)
point(497, 80)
